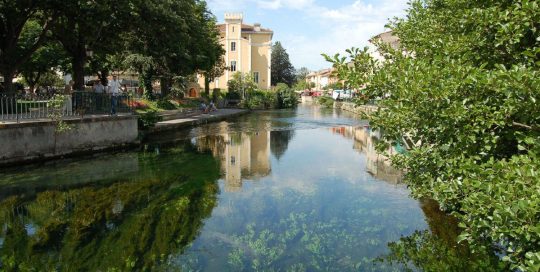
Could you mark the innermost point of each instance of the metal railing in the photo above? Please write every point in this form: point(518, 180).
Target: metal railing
point(21, 107)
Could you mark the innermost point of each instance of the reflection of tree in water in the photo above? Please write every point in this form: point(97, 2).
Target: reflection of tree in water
point(279, 142)
point(127, 225)
point(437, 249)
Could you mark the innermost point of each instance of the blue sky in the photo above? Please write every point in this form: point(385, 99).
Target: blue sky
point(307, 28)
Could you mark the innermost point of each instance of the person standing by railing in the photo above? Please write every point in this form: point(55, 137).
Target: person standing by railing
point(68, 92)
point(114, 91)
point(99, 90)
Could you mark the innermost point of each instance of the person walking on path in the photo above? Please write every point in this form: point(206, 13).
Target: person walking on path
point(114, 91)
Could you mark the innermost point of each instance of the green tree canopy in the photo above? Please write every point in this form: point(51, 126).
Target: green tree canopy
point(282, 69)
point(462, 90)
point(190, 44)
point(89, 26)
point(240, 84)
point(43, 64)
point(301, 74)
point(18, 41)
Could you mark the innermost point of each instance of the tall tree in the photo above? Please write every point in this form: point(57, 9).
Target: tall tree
point(207, 47)
point(190, 45)
point(302, 73)
point(215, 72)
point(17, 41)
point(87, 26)
point(282, 69)
point(47, 58)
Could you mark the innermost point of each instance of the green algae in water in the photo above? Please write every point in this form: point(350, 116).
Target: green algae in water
point(131, 223)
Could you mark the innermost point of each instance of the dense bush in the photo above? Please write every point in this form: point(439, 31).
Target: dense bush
point(463, 89)
point(326, 101)
point(166, 104)
point(148, 119)
point(286, 97)
point(176, 93)
point(280, 98)
point(241, 83)
point(233, 95)
point(261, 100)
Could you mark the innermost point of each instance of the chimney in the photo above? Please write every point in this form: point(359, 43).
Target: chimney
point(257, 27)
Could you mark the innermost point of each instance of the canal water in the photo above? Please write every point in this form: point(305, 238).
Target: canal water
point(296, 190)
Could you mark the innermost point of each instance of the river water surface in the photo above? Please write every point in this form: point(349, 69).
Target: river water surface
point(297, 190)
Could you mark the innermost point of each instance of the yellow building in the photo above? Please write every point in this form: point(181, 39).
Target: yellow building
point(248, 50)
point(244, 156)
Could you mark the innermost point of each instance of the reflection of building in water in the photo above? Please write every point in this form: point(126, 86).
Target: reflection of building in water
point(243, 156)
point(365, 141)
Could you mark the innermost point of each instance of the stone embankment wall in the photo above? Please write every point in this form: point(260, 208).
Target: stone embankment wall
point(38, 140)
point(356, 109)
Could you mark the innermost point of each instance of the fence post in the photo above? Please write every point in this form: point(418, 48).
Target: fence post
point(16, 109)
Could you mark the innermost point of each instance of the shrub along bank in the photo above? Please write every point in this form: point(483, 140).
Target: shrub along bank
point(281, 97)
point(464, 85)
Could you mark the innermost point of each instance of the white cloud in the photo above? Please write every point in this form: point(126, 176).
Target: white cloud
point(342, 28)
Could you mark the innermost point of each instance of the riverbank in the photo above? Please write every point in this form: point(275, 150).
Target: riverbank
point(356, 109)
point(365, 110)
point(196, 119)
point(37, 140)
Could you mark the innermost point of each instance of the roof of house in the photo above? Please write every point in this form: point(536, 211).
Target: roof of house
point(387, 37)
point(246, 28)
point(322, 73)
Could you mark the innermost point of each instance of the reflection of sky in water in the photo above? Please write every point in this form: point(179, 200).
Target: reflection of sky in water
point(319, 190)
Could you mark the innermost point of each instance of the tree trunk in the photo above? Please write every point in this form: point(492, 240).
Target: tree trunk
point(32, 87)
point(165, 83)
point(32, 80)
point(103, 77)
point(207, 86)
point(78, 62)
point(8, 82)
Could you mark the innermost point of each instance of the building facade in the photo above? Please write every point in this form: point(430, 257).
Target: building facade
point(244, 156)
point(248, 50)
point(322, 79)
point(385, 38)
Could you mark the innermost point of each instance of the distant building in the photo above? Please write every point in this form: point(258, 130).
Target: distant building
point(322, 79)
point(365, 141)
point(248, 50)
point(385, 37)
